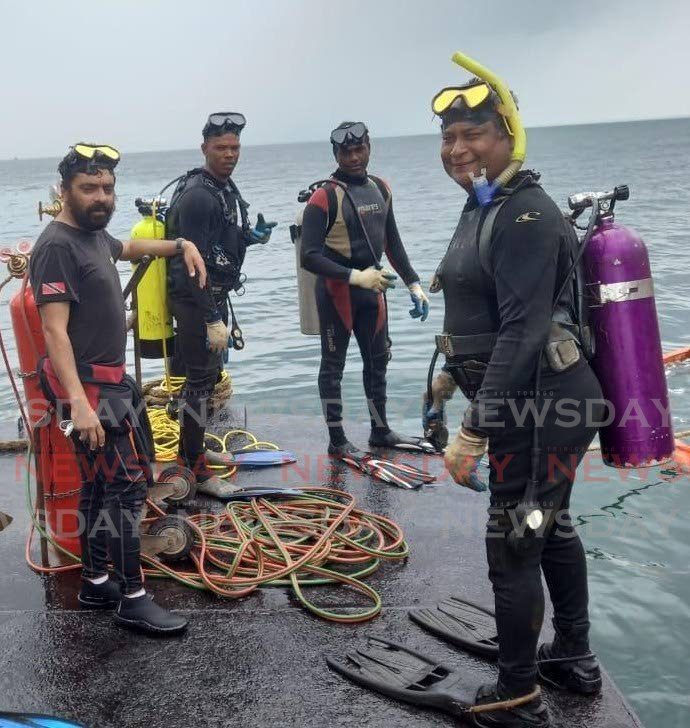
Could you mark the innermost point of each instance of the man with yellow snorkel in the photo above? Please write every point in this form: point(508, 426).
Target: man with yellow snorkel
point(515, 340)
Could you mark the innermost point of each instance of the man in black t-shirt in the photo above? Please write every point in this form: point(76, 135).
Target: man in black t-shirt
point(77, 289)
point(208, 209)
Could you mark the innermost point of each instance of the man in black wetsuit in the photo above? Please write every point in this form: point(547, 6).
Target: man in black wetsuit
point(77, 289)
point(343, 246)
point(208, 209)
point(500, 277)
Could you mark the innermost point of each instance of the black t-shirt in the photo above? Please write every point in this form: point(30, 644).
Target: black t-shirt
point(69, 264)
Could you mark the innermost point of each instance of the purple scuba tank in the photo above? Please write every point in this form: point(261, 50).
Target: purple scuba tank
point(628, 358)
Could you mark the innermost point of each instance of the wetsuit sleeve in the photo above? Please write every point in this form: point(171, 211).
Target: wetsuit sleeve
point(194, 217)
point(395, 250)
point(314, 230)
point(523, 257)
point(54, 274)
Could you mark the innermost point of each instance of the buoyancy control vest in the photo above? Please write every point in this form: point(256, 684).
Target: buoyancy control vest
point(224, 252)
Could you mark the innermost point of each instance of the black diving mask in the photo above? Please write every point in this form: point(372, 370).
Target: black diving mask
point(355, 134)
point(232, 120)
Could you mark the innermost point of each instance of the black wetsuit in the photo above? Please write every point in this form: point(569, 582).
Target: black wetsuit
point(507, 291)
point(69, 264)
point(333, 244)
point(206, 212)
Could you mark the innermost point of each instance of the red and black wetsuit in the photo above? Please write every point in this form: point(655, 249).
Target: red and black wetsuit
point(333, 243)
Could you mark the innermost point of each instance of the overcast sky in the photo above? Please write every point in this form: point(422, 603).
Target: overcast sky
point(144, 74)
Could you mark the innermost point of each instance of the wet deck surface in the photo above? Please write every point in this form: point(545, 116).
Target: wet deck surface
point(257, 661)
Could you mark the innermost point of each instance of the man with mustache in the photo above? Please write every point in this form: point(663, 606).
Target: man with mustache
point(77, 288)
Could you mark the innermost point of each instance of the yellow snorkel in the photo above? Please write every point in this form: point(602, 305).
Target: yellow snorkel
point(508, 110)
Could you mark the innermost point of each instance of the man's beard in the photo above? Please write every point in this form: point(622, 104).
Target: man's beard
point(89, 218)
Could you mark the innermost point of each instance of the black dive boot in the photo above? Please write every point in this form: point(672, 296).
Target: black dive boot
point(569, 665)
point(344, 448)
point(144, 615)
point(532, 714)
point(99, 596)
point(395, 441)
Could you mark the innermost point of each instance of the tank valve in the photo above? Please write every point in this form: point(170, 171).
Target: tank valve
point(53, 209)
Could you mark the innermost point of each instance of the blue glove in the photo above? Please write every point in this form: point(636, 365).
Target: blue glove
point(420, 301)
point(261, 233)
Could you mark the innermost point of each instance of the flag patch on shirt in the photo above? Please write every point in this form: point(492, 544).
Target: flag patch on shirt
point(52, 289)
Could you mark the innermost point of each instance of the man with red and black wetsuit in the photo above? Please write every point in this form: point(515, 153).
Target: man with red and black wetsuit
point(77, 288)
point(347, 226)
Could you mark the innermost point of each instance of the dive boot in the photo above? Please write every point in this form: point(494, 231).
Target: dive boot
point(346, 448)
point(533, 714)
point(216, 487)
point(99, 596)
point(144, 615)
point(401, 442)
point(578, 673)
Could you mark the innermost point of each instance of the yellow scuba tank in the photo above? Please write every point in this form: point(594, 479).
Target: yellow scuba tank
point(154, 321)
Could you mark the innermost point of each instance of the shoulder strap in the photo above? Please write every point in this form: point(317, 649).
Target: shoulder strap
point(486, 224)
point(244, 206)
point(486, 230)
point(385, 192)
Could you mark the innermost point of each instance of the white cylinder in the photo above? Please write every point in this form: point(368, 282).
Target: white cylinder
point(306, 285)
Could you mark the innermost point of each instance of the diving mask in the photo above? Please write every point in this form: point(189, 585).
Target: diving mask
point(98, 153)
point(357, 133)
point(233, 120)
point(473, 96)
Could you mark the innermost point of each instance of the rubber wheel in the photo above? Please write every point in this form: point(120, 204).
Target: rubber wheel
point(179, 534)
point(184, 480)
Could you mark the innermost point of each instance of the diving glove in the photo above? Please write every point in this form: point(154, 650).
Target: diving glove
point(433, 412)
point(217, 335)
point(462, 458)
point(419, 301)
point(261, 233)
point(373, 279)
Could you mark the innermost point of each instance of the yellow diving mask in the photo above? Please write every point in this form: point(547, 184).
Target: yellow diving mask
point(473, 96)
point(89, 151)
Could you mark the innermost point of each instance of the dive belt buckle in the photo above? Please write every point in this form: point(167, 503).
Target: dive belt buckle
point(444, 343)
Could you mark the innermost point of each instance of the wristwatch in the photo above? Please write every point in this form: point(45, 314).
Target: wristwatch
point(179, 245)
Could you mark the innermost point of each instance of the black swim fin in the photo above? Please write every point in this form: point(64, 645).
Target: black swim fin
point(5, 520)
point(471, 627)
point(404, 674)
point(462, 623)
point(399, 474)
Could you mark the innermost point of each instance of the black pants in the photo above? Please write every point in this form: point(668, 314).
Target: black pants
point(344, 309)
point(113, 491)
point(202, 369)
point(558, 551)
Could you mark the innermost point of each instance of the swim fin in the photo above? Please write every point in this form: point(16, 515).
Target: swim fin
point(267, 491)
point(404, 674)
point(5, 520)
point(402, 442)
point(462, 623)
point(250, 458)
point(471, 627)
point(400, 474)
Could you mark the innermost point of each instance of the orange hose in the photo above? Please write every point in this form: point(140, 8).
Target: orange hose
point(677, 355)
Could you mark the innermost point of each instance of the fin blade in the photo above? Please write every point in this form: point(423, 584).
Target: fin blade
point(462, 623)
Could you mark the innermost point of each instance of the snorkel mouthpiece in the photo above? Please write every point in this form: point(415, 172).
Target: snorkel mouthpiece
point(485, 190)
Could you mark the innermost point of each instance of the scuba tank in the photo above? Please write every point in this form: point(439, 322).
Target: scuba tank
point(306, 282)
point(154, 321)
point(628, 358)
